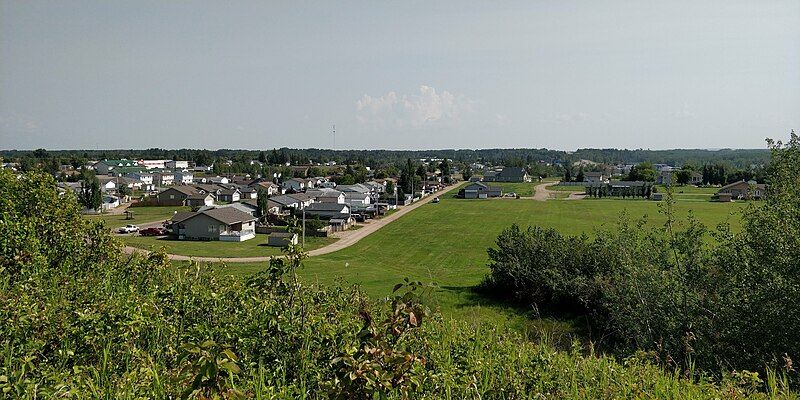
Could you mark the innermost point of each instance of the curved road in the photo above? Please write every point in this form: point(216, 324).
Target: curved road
point(346, 238)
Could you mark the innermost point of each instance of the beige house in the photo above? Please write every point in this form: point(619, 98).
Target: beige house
point(224, 224)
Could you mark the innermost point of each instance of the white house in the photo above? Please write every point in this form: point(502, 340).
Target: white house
point(219, 180)
point(145, 177)
point(184, 177)
point(107, 183)
point(163, 178)
point(356, 199)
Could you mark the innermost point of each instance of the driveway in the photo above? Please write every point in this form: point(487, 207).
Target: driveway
point(346, 238)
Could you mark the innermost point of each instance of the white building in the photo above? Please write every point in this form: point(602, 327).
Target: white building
point(163, 178)
point(152, 164)
point(184, 177)
point(145, 177)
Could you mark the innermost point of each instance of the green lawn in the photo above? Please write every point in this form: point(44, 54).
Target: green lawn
point(141, 215)
point(256, 247)
point(524, 189)
point(559, 188)
point(446, 244)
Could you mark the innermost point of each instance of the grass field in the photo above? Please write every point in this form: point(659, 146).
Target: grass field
point(256, 247)
point(446, 244)
point(141, 215)
point(524, 189)
point(559, 188)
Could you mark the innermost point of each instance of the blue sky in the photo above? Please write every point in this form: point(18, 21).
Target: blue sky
point(398, 75)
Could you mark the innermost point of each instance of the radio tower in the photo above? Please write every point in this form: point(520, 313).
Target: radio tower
point(334, 136)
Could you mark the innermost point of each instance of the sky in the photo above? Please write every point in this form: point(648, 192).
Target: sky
point(398, 74)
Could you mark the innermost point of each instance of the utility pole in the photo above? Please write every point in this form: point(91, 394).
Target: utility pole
point(304, 225)
point(334, 136)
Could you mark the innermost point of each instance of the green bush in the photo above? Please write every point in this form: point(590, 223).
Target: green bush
point(725, 307)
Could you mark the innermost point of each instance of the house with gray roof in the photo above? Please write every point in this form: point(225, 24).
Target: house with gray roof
point(507, 174)
point(225, 224)
point(326, 210)
point(175, 196)
point(479, 190)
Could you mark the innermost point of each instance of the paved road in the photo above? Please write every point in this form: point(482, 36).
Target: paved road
point(346, 238)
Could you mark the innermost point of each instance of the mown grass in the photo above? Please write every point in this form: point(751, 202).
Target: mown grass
point(446, 244)
point(256, 247)
point(141, 215)
point(524, 189)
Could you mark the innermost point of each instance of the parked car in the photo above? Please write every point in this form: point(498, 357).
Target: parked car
point(129, 229)
point(154, 231)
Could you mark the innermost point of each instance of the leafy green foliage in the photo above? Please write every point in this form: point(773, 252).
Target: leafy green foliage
point(729, 306)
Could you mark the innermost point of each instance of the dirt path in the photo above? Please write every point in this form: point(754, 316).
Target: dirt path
point(346, 238)
point(541, 193)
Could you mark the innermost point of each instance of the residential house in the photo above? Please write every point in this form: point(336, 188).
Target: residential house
point(176, 196)
point(303, 200)
point(163, 178)
point(479, 190)
point(743, 190)
point(104, 167)
point(229, 195)
point(596, 177)
point(294, 185)
point(248, 192)
point(508, 174)
point(357, 200)
point(325, 195)
point(145, 177)
point(224, 224)
point(108, 183)
point(328, 184)
point(357, 188)
point(219, 180)
point(285, 201)
point(248, 207)
point(199, 200)
point(184, 177)
point(696, 178)
point(270, 187)
point(664, 177)
point(326, 211)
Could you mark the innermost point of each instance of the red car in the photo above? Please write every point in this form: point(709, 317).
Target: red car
point(153, 232)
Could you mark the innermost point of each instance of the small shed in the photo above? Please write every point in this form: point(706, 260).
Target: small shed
point(281, 239)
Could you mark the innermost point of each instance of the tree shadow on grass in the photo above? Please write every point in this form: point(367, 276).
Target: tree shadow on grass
point(559, 328)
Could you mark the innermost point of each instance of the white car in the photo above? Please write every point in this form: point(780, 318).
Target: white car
point(129, 229)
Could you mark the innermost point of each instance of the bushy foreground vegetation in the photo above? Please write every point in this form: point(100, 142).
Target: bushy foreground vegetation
point(80, 320)
point(727, 305)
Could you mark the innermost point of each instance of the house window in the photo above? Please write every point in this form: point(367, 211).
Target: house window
point(172, 196)
point(212, 228)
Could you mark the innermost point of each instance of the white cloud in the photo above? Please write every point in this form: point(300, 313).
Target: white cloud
point(412, 110)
